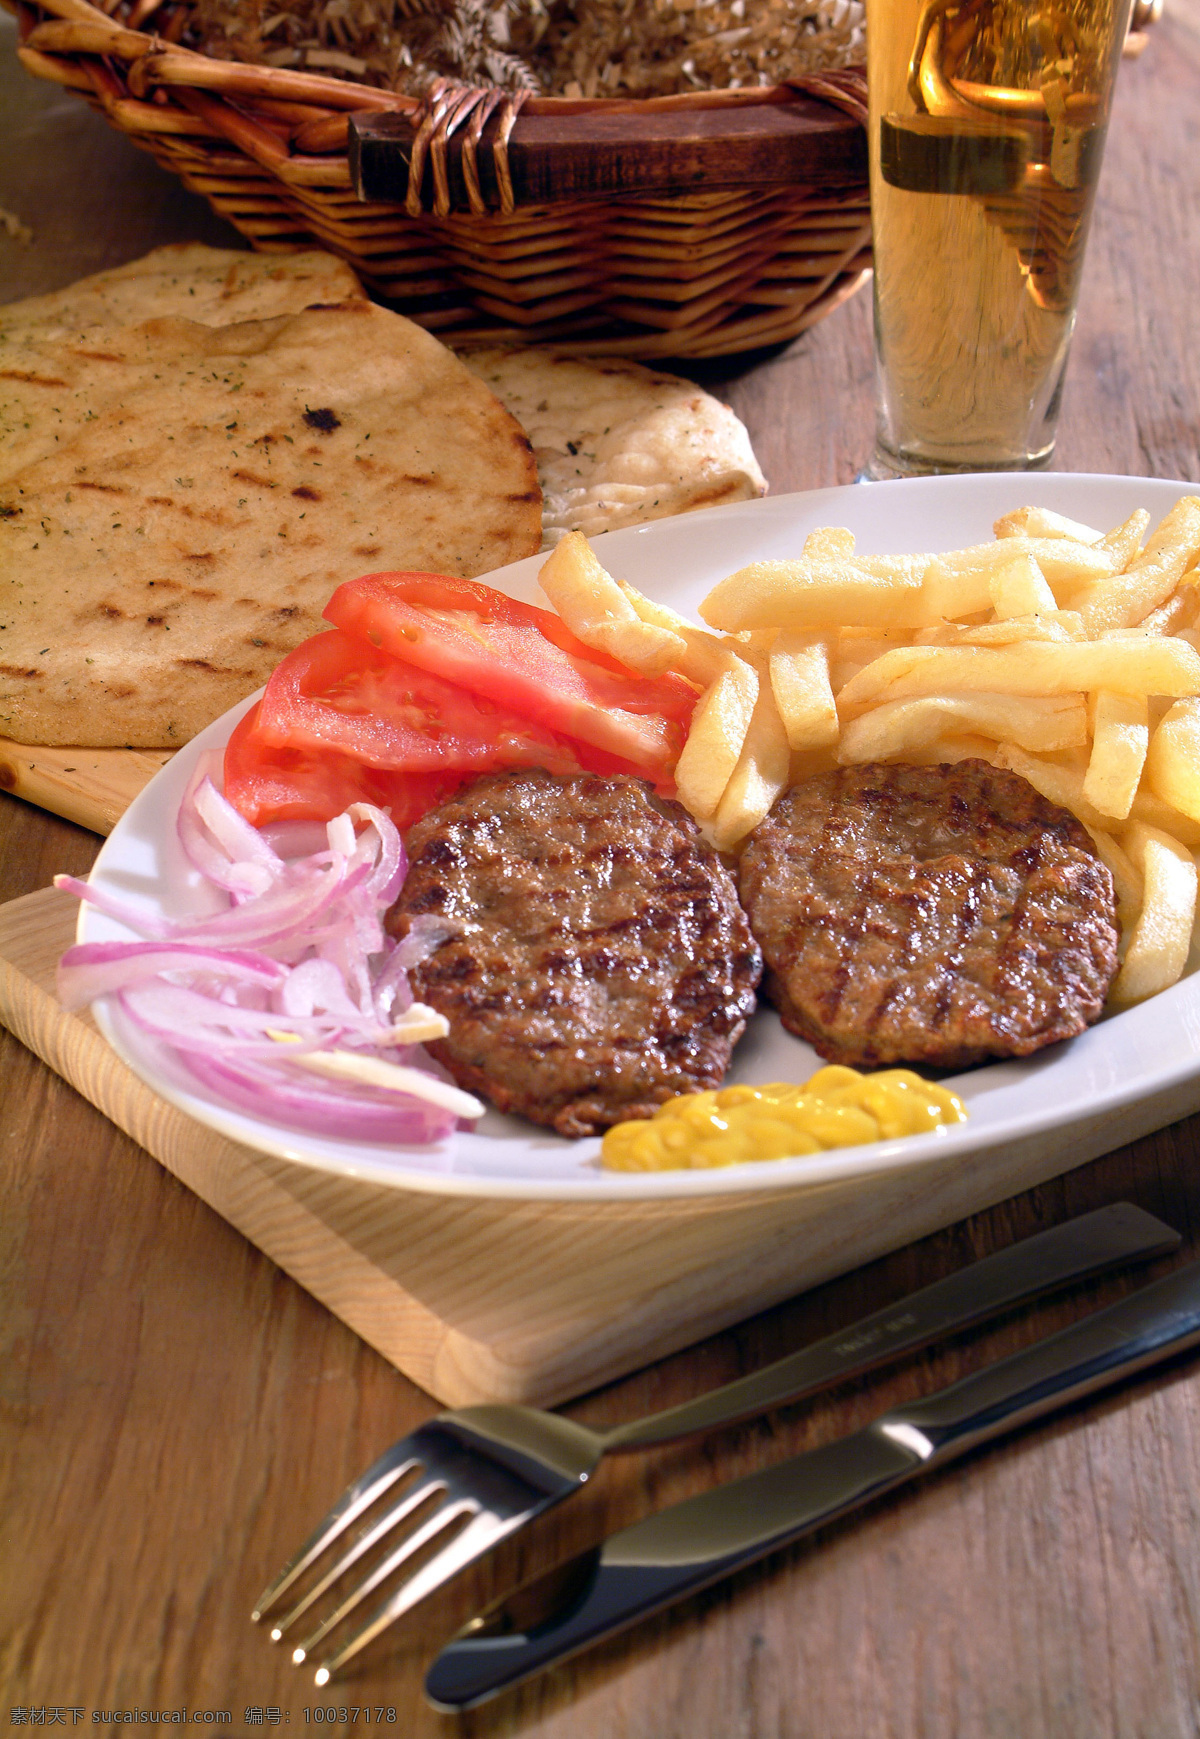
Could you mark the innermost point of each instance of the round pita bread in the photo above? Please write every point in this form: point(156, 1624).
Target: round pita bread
point(616, 443)
point(178, 502)
point(217, 286)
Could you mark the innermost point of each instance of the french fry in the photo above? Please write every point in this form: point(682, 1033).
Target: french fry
point(1127, 878)
point(1120, 737)
point(1124, 599)
point(716, 738)
point(1041, 522)
point(1124, 541)
point(1053, 625)
point(1151, 810)
point(1162, 934)
point(760, 775)
point(799, 595)
point(908, 727)
point(830, 543)
point(1136, 666)
point(594, 607)
point(704, 657)
point(956, 746)
point(1173, 759)
point(958, 584)
point(1065, 654)
point(1020, 589)
point(1180, 611)
point(799, 671)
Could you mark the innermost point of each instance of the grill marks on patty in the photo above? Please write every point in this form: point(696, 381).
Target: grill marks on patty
point(602, 961)
point(934, 915)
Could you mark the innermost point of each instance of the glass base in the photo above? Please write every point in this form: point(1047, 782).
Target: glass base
point(885, 465)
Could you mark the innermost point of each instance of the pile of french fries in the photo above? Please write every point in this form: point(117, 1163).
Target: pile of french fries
point(1067, 654)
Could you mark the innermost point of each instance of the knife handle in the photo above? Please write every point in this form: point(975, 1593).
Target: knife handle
point(654, 1563)
point(1150, 1324)
point(1102, 1239)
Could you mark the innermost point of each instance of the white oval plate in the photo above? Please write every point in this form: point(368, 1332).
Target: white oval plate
point(1121, 1060)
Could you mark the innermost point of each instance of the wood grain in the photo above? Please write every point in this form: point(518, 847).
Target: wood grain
point(93, 787)
point(175, 1412)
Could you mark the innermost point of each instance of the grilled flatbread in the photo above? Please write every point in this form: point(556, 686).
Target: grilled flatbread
point(616, 443)
point(217, 286)
point(178, 502)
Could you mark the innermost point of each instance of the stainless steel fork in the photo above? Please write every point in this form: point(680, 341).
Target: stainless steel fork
point(480, 1473)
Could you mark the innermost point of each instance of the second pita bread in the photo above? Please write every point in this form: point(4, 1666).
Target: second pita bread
point(616, 443)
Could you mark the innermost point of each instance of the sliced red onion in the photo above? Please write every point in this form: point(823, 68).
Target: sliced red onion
point(424, 937)
point(299, 950)
point(229, 852)
point(98, 968)
point(369, 1114)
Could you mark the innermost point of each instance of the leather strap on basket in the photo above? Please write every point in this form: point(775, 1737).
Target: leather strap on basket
point(444, 109)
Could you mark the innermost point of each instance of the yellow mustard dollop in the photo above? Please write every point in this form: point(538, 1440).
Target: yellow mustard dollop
point(837, 1107)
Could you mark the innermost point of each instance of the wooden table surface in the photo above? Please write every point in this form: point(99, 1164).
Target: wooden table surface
point(175, 1412)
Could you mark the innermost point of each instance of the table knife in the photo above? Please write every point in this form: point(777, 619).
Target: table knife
point(695, 1543)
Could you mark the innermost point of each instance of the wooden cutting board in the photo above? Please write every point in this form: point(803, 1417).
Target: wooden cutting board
point(480, 1300)
point(93, 787)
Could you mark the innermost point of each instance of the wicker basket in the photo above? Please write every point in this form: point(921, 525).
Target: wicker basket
point(687, 226)
point(670, 227)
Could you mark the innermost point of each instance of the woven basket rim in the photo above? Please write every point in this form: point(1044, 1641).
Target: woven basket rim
point(348, 94)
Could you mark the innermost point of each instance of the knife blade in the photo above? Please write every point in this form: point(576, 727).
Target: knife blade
point(695, 1543)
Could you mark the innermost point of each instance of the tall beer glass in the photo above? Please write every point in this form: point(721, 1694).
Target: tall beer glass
point(987, 125)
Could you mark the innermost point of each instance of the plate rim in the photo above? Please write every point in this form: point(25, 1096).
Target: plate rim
point(752, 1178)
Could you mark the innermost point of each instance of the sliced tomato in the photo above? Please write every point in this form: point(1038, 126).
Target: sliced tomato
point(521, 658)
point(267, 783)
point(337, 692)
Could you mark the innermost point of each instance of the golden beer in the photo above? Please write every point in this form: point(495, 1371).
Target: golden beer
point(987, 124)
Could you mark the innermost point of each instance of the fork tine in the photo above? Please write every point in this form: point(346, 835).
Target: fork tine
point(471, 1543)
point(429, 1530)
point(392, 1465)
point(399, 1512)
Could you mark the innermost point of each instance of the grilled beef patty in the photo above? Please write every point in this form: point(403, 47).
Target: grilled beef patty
point(933, 915)
point(602, 961)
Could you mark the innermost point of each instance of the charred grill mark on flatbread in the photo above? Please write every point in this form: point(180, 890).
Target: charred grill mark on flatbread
point(156, 450)
point(15, 670)
point(27, 379)
point(214, 669)
point(325, 420)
